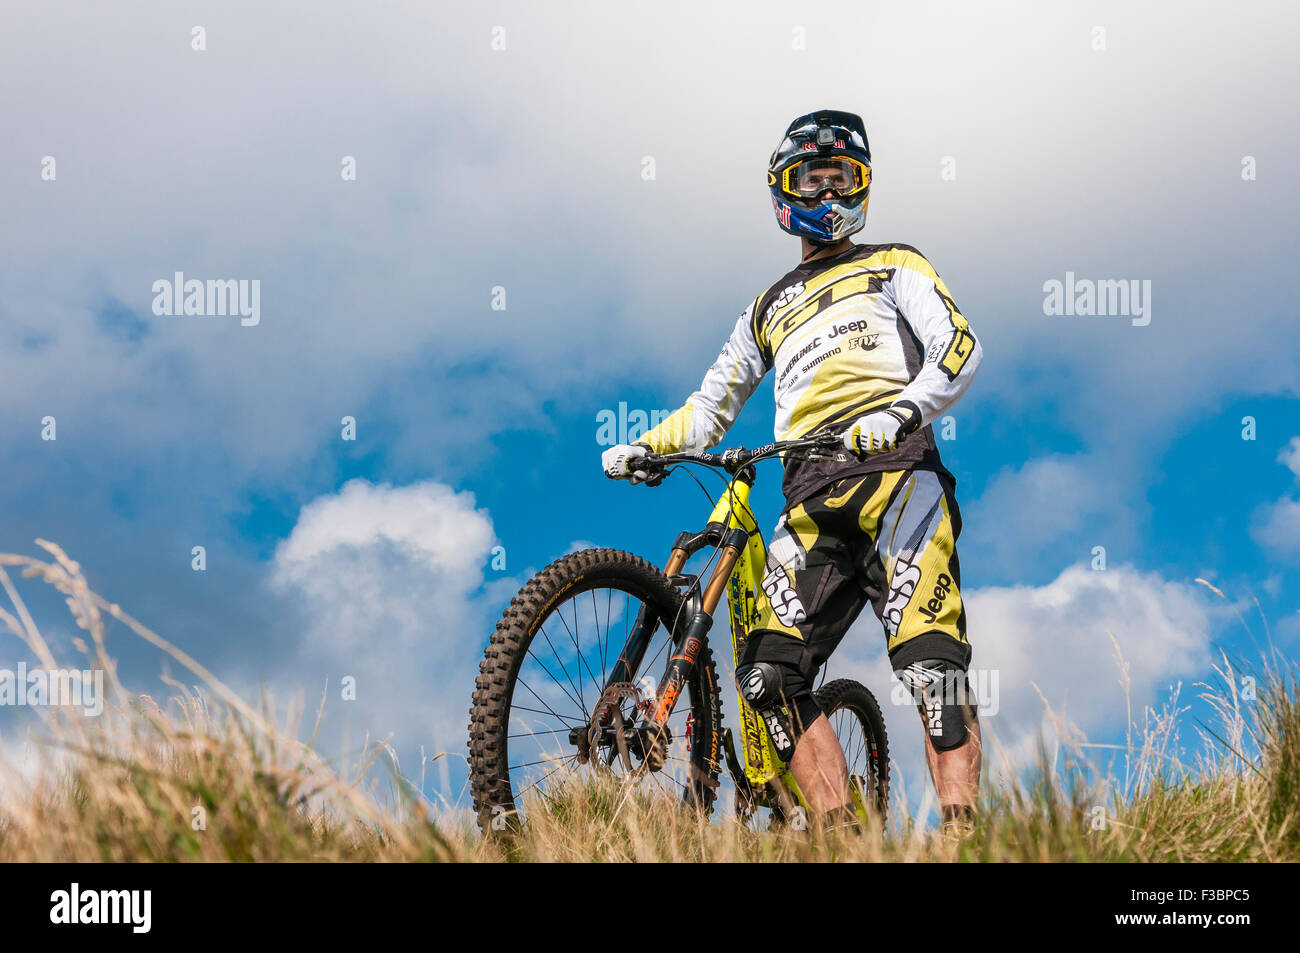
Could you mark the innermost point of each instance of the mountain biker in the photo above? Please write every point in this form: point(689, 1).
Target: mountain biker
point(866, 341)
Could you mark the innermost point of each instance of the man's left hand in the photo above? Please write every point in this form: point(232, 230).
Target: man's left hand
point(882, 430)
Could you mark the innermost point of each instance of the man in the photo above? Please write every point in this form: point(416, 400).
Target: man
point(865, 341)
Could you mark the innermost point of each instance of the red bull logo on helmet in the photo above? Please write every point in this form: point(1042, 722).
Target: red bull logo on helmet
point(782, 212)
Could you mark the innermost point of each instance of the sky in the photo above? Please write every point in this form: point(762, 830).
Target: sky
point(558, 210)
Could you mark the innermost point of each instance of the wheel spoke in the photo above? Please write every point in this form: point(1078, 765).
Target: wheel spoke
point(577, 701)
point(543, 701)
point(535, 748)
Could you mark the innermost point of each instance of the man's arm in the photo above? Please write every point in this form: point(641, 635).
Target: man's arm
point(952, 355)
point(709, 412)
point(950, 358)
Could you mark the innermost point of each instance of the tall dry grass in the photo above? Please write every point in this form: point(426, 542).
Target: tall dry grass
point(206, 776)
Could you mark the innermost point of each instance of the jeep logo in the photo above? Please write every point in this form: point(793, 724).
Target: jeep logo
point(942, 589)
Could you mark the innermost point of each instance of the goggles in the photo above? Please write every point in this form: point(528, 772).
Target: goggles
point(809, 178)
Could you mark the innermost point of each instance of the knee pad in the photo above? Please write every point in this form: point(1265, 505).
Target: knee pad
point(944, 698)
point(778, 692)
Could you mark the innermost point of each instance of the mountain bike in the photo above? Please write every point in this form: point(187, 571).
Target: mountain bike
point(552, 702)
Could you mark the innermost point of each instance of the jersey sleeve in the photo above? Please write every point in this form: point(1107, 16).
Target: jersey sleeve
point(951, 353)
point(709, 412)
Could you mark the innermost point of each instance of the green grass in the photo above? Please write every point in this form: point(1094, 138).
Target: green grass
point(209, 777)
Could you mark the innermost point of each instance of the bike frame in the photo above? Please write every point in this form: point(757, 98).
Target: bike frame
point(740, 560)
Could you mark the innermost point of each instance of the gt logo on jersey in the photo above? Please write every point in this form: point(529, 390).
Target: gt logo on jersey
point(845, 287)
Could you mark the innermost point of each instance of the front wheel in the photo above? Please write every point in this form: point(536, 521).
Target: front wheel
point(855, 717)
point(536, 722)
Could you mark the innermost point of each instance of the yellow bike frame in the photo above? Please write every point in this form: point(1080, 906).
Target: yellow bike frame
point(740, 572)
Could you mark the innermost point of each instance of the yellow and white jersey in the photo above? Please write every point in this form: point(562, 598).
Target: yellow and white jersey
point(843, 335)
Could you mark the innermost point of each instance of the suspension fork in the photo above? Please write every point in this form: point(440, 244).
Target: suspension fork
point(729, 528)
point(687, 647)
point(633, 652)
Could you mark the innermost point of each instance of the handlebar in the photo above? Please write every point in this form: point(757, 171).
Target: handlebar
point(737, 458)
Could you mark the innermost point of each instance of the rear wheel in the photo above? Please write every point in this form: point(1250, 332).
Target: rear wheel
point(855, 717)
point(534, 724)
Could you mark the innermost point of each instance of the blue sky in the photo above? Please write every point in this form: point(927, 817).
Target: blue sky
point(523, 168)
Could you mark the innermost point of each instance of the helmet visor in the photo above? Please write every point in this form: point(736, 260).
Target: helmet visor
point(844, 176)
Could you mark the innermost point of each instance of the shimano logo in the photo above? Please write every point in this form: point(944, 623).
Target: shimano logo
point(817, 360)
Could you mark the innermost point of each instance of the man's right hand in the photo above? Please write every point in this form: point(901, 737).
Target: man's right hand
point(620, 462)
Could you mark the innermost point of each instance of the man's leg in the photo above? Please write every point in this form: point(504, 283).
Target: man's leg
point(820, 768)
point(915, 579)
point(956, 776)
point(809, 599)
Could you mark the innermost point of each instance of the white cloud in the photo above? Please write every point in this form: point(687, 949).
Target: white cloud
point(1050, 502)
point(1056, 637)
point(430, 523)
point(389, 580)
point(1276, 525)
point(460, 151)
point(1290, 456)
point(388, 583)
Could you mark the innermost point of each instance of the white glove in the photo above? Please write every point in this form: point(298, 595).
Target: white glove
point(617, 462)
point(882, 430)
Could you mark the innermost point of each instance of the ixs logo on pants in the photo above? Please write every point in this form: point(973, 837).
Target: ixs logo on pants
point(786, 604)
